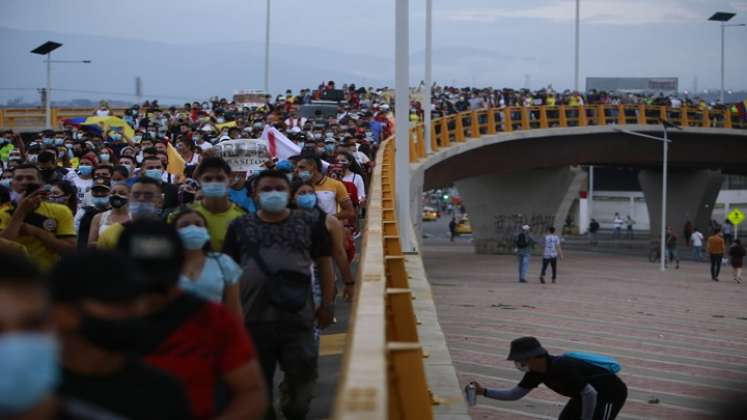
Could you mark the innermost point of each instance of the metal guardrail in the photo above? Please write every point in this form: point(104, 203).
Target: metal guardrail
point(383, 376)
point(473, 124)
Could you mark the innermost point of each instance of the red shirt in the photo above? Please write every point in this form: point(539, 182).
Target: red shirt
point(207, 344)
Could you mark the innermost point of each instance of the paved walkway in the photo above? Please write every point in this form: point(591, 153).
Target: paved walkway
point(681, 338)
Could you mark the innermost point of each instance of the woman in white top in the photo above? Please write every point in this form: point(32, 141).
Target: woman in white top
point(347, 161)
point(116, 214)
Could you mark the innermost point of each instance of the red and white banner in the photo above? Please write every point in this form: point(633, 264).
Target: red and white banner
point(280, 146)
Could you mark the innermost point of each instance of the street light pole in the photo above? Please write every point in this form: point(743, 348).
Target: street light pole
point(578, 43)
point(664, 169)
point(48, 105)
point(723, 65)
point(267, 50)
point(428, 75)
point(402, 128)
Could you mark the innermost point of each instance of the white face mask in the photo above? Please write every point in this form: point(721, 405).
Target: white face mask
point(522, 366)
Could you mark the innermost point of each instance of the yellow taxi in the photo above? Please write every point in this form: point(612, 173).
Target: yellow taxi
point(429, 214)
point(463, 227)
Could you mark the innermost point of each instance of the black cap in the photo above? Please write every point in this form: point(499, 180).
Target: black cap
point(106, 276)
point(157, 250)
point(525, 348)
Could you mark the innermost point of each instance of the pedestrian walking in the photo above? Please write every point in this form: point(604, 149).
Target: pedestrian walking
point(617, 223)
point(452, 228)
point(551, 254)
point(629, 222)
point(590, 381)
point(696, 240)
point(523, 242)
point(715, 248)
point(728, 230)
point(736, 258)
point(593, 229)
point(671, 247)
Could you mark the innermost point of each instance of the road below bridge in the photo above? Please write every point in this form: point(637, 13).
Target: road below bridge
point(681, 338)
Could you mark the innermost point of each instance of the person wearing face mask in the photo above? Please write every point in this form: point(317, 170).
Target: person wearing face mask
point(99, 199)
point(48, 168)
point(63, 192)
point(304, 197)
point(595, 391)
point(6, 146)
point(332, 194)
point(211, 275)
point(83, 179)
point(240, 193)
point(29, 352)
point(200, 342)
point(152, 167)
point(215, 206)
point(145, 203)
point(117, 212)
point(352, 174)
point(99, 314)
point(276, 247)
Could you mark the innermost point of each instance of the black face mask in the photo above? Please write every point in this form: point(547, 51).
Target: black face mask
point(46, 174)
point(121, 336)
point(186, 197)
point(117, 201)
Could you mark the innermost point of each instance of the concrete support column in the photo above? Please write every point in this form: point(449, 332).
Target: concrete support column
point(691, 196)
point(499, 204)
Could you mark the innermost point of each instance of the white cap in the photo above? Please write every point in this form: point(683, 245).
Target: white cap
point(525, 227)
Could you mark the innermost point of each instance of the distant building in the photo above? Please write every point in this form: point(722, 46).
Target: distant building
point(647, 85)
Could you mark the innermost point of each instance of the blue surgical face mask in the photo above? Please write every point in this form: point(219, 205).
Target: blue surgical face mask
point(59, 142)
point(6, 182)
point(273, 201)
point(100, 202)
point(304, 175)
point(105, 157)
point(154, 174)
point(47, 141)
point(194, 237)
point(214, 189)
point(28, 362)
point(329, 148)
point(306, 201)
point(118, 182)
point(85, 169)
point(143, 210)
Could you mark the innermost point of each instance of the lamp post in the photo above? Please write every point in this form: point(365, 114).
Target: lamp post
point(401, 114)
point(723, 17)
point(267, 50)
point(46, 49)
point(664, 168)
point(428, 75)
point(578, 43)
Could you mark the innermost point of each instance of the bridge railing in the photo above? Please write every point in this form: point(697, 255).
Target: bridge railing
point(456, 128)
point(383, 376)
point(24, 118)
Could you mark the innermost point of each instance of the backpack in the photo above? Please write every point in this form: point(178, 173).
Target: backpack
point(521, 241)
point(607, 363)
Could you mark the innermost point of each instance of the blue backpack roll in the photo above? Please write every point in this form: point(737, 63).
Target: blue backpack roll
point(605, 362)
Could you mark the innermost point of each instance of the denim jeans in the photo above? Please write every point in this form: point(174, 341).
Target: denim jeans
point(523, 265)
point(698, 253)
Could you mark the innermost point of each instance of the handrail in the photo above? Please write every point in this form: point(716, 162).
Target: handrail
point(383, 375)
point(14, 118)
point(475, 123)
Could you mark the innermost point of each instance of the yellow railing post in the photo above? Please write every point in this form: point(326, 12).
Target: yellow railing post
point(601, 118)
point(2, 118)
point(562, 117)
point(508, 125)
point(420, 131)
point(413, 150)
point(445, 141)
point(491, 121)
point(621, 115)
point(459, 127)
point(727, 118)
point(543, 117)
point(54, 121)
point(582, 116)
point(706, 117)
point(474, 121)
point(663, 113)
point(683, 116)
point(434, 138)
point(642, 114)
point(525, 118)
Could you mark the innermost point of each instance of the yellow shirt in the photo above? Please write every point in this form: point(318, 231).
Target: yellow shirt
point(52, 217)
point(110, 236)
point(217, 223)
point(330, 193)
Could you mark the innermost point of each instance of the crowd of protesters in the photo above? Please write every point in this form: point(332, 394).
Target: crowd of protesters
point(144, 276)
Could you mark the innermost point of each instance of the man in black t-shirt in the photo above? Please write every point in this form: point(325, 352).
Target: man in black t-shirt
point(595, 393)
point(98, 311)
point(276, 248)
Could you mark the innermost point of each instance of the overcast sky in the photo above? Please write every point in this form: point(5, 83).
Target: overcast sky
point(619, 37)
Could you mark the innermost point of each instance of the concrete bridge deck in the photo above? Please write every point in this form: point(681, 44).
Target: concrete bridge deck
point(682, 339)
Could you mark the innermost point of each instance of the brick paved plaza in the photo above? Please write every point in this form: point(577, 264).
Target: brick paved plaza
point(681, 338)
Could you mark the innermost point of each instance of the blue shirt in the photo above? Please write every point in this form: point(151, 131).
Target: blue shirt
point(241, 198)
point(219, 271)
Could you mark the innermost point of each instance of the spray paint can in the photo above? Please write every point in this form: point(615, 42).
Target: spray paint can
point(470, 392)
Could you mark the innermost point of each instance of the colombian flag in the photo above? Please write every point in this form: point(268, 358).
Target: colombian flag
point(742, 110)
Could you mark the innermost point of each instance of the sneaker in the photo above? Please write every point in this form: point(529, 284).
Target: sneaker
point(715, 279)
point(542, 279)
point(522, 281)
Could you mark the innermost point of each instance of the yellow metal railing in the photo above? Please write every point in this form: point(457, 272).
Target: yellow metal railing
point(473, 124)
point(20, 118)
point(383, 376)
